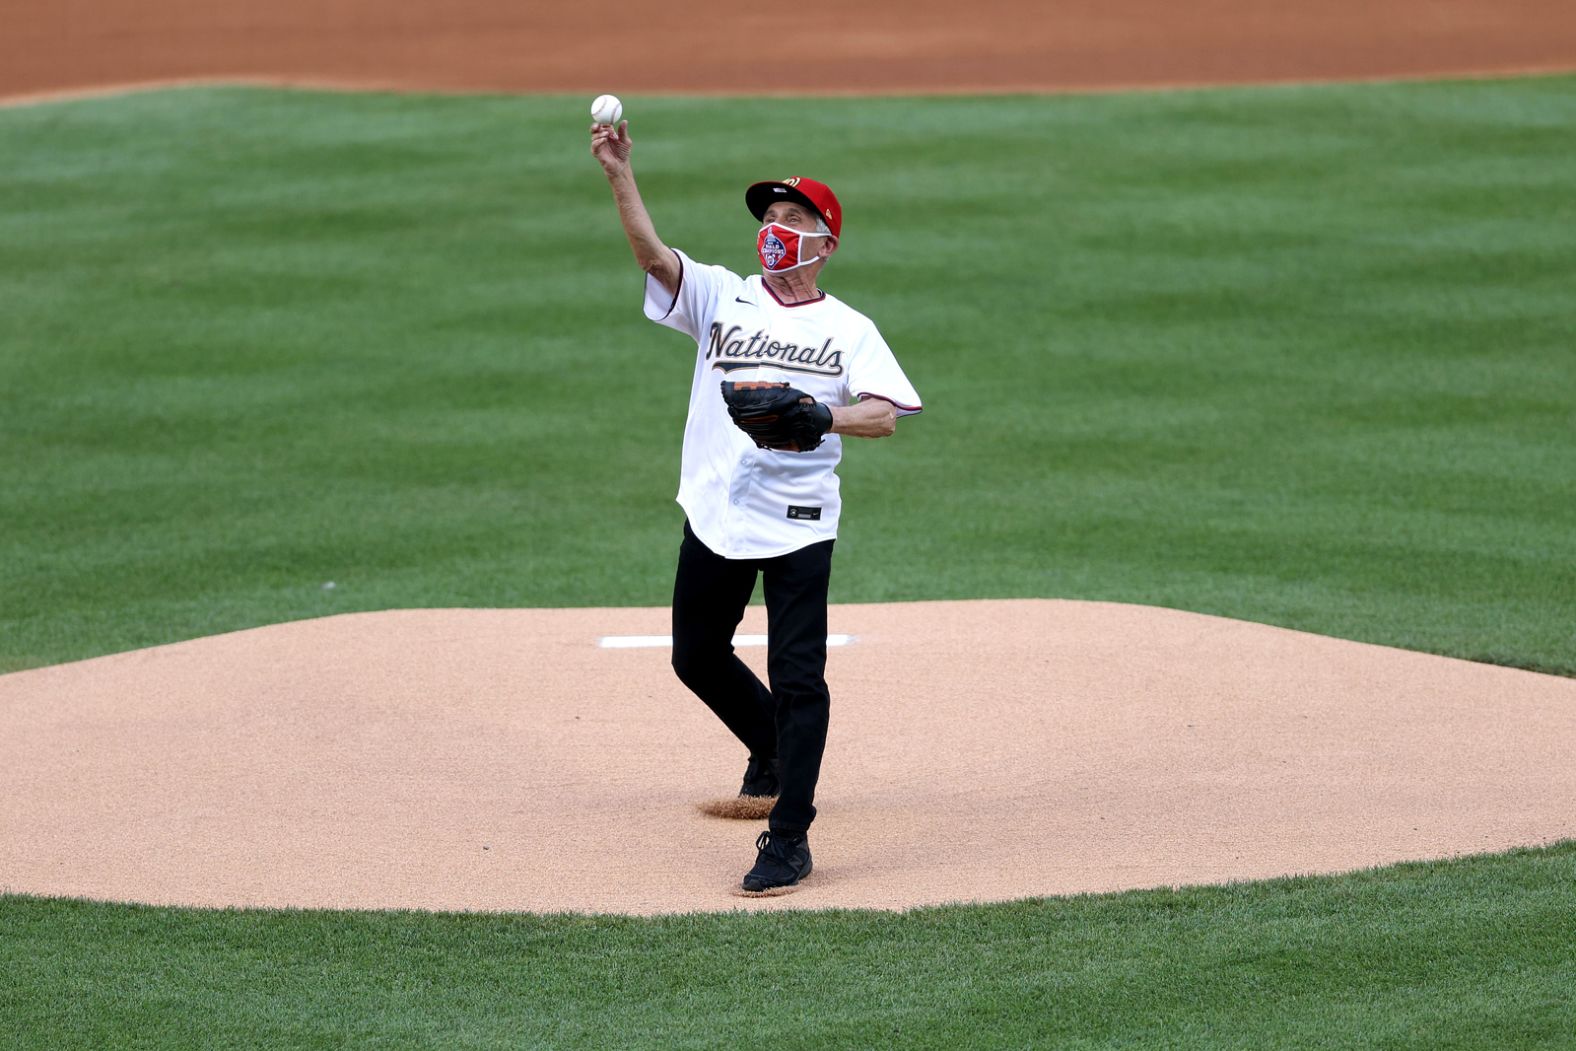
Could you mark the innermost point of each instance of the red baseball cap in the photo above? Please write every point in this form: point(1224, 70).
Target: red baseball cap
point(817, 195)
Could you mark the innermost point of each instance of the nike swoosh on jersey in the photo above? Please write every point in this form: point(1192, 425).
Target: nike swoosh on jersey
point(741, 299)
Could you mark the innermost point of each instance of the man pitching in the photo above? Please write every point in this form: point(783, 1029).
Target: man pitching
point(782, 372)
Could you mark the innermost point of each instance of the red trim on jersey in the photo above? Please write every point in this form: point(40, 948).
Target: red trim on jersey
point(805, 303)
point(889, 401)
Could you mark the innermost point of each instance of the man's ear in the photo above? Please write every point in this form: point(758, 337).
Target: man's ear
point(828, 245)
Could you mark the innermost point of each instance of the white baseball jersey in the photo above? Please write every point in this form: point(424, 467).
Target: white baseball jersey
point(742, 501)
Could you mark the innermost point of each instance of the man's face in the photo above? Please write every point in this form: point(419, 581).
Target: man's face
point(791, 214)
point(796, 216)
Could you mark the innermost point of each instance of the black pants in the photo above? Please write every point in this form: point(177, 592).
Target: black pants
point(788, 721)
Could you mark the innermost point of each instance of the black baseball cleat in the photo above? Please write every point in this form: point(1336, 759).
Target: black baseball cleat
point(781, 861)
point(760, 778)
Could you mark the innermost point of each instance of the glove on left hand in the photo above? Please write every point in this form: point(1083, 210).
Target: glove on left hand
point(777, 416)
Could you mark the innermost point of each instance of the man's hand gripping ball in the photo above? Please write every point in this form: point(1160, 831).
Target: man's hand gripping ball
point(776, 416)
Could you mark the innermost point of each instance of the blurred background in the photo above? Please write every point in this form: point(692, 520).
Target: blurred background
point(816, 46)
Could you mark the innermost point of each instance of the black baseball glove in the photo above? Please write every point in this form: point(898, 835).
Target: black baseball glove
point(776, 416)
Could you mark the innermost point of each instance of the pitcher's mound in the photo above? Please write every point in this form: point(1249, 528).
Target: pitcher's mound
point(503, 759)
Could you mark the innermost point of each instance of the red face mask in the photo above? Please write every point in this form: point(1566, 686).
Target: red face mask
point(782, 247)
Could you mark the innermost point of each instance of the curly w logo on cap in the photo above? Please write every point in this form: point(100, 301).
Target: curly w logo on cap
point(806, 191)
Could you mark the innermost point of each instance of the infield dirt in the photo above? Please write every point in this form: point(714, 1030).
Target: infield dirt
point(912, 46)
point(980, 751)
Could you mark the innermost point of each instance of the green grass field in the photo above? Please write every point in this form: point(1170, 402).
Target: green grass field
point(1474, 954)
point(1301, 356)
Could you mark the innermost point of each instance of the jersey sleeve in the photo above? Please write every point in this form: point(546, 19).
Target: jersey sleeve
point(874, 372)
point(692, 307)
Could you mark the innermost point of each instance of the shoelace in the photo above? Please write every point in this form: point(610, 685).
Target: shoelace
point(777, 846)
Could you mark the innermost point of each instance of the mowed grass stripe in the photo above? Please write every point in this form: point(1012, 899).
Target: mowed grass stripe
point(1299, 356)
point(1471, 953)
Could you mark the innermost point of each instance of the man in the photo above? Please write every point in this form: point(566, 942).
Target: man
point(753, 509)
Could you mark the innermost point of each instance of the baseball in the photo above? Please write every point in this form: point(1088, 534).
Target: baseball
point(607, 109)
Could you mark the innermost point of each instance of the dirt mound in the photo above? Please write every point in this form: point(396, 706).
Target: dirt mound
point(505, 760)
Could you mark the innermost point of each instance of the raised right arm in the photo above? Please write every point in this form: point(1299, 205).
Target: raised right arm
point(611, 147)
